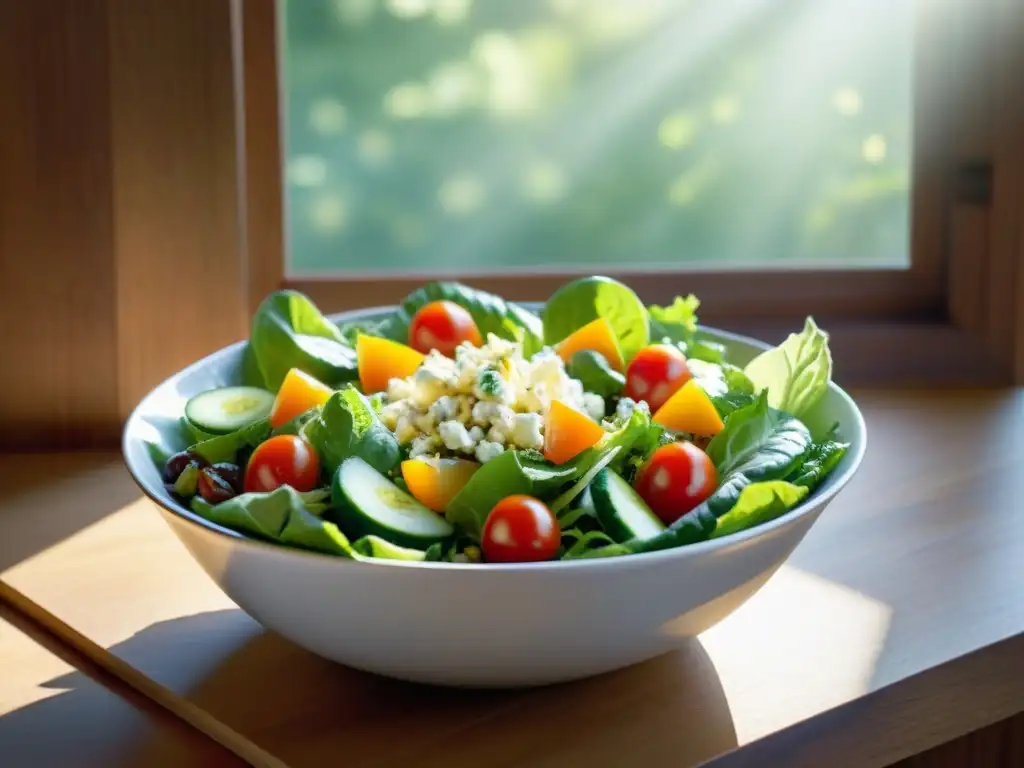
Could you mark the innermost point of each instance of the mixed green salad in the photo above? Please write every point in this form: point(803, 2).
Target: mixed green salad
point(464, 428)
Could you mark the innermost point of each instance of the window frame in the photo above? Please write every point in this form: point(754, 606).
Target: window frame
point(953, 317)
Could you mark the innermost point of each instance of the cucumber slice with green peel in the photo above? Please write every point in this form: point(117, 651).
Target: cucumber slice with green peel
point(368, 504)
point(620, 510)
point(219, 411)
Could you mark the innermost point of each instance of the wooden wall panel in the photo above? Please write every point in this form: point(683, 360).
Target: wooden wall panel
point(57, 292)
point(120, 243)
point(180, 274)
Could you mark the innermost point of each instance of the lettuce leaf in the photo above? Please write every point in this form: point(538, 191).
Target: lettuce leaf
point(676, 322)
point(758, 503)
point(796, 373)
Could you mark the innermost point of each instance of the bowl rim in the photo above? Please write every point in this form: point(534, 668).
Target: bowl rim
point(811, 503)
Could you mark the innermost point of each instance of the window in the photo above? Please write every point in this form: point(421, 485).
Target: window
point(862, 162)
point(476, 136)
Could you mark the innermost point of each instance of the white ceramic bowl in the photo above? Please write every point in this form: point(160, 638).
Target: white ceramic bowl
point(484, 625)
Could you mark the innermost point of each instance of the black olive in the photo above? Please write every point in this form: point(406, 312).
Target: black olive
point(213, 487)
point(232, 473)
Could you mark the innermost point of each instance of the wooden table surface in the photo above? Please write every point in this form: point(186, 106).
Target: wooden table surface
point(54, 714)
point(895, 626)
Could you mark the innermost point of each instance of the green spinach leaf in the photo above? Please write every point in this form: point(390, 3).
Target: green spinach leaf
point(759, 441)
point(594, 372)
point(703, 349)
point(280, 516)
point(577, 303)
point(349, 426)
point(758, 503)
point(796, 373)
point(819, 462)
point(491, 313)
point(288, 332)
point(512, 472)
point(227, 447)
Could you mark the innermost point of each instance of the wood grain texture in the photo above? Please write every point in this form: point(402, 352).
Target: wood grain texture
point(905, 591)
point(998, 745)
point(263, 149)
point(57, 288)
point(46, 689)
point(180, 269)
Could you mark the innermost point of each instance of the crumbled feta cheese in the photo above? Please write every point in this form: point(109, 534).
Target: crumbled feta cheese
point(455, 436)
point(405, 430)
point(488, 399)
point(486, 450)
point(398, 389)
point(423, 445)
point(593, 405)
point(526, 433)
point(445, 407)
point(626, 407)
point(389, 414)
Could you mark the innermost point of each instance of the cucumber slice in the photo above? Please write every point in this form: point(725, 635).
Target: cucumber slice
point(621, 511)
point(368, 504)
point(219, 411)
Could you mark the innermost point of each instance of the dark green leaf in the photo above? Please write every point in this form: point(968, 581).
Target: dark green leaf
point(588, 298)
point(279, 516)
point(227, 447)
point(348, 426)
point(288, 332)
point(819, 462)
point(491, 313)
point(596, 375)
point(759, 441)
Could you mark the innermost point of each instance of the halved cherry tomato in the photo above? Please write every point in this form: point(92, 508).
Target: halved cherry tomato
point(282, 460)
point(442, 325)
point(656, 372)
point(678, 477)
point(520, 529)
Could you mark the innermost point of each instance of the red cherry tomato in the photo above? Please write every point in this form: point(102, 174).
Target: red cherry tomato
point(520, 529)
point(678, 477)
point(442, 325)
point(655, 374)
point(282, 460)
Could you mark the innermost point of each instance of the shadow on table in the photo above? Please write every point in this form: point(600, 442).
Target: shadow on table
point(46, 502)
point(311, 712)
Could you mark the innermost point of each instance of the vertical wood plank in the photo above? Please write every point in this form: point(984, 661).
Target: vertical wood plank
point(263, 153)
point(57, 313)
point(180, 265)
point(1005, 305)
